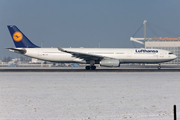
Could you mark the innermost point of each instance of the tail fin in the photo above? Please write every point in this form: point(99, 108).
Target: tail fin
point(20, 40)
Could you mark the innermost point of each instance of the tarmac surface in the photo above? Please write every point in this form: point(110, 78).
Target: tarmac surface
point(81, 69)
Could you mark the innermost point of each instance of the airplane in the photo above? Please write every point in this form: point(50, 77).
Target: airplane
point(106, 57)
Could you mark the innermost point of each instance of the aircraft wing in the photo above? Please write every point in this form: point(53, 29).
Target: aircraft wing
point(84, 56)
point(21, 51)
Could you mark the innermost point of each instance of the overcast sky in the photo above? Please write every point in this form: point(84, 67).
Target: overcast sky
point(82, 23)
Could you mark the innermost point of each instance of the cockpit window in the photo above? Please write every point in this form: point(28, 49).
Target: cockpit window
point(170, 53)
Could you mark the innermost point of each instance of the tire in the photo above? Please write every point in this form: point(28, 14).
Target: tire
point(93, 67)
point(159, 67)
point(87, 67)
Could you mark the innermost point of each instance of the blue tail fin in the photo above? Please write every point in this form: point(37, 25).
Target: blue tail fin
point(20, 40)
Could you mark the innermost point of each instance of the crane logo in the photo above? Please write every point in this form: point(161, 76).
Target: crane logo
point(17, 36)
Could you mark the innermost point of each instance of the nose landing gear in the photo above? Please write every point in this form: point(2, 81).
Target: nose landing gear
point(159, 67)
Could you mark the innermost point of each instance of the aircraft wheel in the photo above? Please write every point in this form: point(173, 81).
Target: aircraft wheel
point(159, 67)
point(87, 67)
point(93, 67)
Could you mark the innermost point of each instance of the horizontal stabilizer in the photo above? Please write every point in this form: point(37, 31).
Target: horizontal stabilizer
point(21, 51)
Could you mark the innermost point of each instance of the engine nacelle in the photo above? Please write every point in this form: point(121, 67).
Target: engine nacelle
point(110, 63)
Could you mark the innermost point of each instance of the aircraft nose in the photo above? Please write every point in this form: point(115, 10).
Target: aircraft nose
point(174, 56)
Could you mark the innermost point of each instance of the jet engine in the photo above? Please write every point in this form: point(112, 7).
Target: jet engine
point(110, 63)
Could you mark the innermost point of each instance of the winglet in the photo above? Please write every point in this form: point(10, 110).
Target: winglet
point(60, 49)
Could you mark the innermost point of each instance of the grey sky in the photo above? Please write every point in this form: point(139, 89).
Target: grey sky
point(82, 23)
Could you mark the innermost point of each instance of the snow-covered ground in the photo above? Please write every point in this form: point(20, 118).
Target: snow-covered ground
point(84, 96)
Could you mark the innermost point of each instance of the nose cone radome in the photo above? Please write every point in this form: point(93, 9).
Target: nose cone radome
point(174, 56)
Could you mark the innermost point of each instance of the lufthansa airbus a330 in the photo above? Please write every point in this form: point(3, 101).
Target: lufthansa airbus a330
point(107, 57)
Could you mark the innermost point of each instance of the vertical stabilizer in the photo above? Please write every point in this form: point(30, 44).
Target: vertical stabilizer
point(20, 40)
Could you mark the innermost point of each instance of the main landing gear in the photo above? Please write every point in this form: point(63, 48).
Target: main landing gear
point(90, 67)
point(159, 67)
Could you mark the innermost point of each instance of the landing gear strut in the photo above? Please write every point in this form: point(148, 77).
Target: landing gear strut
point(159, 67)
point(90, 67)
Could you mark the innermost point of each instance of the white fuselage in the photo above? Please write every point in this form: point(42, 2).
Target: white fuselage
point(124, 55)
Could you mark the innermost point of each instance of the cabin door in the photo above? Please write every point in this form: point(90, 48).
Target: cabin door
point(161, 55)
point(129, 54)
